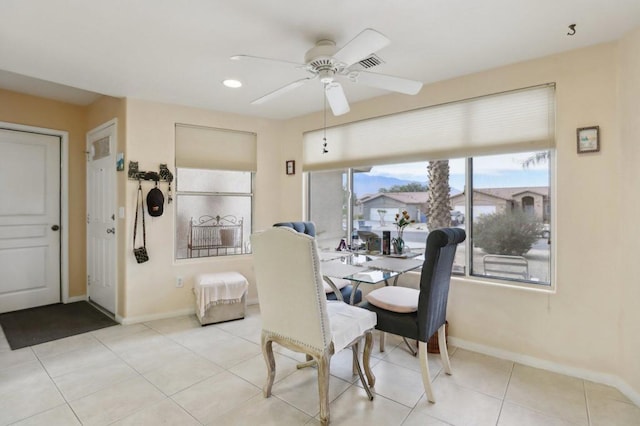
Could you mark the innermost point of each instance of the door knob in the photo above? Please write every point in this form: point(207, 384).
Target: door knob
point(55, 227)
point(111, 231)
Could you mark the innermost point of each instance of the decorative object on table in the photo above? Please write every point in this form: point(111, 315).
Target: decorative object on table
point(386, 242)
point(141, 252)
point(401, 221)
point(588, 139)
point(291, 167)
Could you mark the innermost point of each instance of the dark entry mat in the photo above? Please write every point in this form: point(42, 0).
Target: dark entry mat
point(33, 326)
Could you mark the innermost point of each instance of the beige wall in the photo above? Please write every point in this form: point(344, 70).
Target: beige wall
point(150, 287)
point(584, 328)
point(38, 112)
point(624, 274)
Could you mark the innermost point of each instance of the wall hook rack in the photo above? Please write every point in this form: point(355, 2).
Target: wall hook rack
point(162, 175)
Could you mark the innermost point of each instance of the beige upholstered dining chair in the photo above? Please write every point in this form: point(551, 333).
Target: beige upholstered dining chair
point(296, 314)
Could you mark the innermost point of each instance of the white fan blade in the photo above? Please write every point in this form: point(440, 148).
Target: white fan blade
point(387, 82)
point(367, 42)
point(282, 90)
point(336, 98)
point(260, 60)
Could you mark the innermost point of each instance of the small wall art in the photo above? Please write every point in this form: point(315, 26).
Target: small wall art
point(120, 161)
point(588, 139)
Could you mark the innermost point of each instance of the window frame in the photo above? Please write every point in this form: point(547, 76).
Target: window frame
point(250, 195)
point(468, 243)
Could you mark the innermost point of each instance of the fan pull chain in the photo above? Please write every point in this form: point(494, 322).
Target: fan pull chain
point(324, 137)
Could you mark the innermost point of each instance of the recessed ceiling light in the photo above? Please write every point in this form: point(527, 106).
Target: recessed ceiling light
point(232, 83)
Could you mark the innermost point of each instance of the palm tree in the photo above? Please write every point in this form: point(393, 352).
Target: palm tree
point(536, 158)
point(439, 214)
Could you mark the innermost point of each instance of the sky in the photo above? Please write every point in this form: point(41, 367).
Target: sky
point(490, 171)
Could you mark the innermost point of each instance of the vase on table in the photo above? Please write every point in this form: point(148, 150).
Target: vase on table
point(398, 245)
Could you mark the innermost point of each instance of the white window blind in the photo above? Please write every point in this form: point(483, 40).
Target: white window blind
point(521, 120)
point(200, 147)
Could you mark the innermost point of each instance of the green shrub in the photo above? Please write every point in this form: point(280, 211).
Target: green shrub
point(509, 233)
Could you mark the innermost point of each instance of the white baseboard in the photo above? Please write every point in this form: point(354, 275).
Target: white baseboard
point(164, 315)
point(594, 376)
point(153, 317)
point(76, 299)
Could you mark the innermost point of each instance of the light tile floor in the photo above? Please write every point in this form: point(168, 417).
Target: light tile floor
point(176, 372)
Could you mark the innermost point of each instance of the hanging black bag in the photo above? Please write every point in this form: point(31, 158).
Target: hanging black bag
point(141, 252)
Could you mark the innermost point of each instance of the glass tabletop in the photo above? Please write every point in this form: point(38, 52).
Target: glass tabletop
point(366, 268)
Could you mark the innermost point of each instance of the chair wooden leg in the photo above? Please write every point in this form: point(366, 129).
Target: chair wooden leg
point(356, 364)
point(444, 352)
point(424, 366)
point(310, 362)
point(267, 352)
point(324, 363)
point(366, 358)
point(382, 341)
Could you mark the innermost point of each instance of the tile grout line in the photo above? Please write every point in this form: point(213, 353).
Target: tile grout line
point(506, 389)
point(586, 402)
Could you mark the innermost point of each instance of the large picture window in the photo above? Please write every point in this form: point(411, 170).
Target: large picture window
point(483, 164)
point(506, 210)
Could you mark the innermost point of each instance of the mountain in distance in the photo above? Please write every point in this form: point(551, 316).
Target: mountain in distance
point(364, 184)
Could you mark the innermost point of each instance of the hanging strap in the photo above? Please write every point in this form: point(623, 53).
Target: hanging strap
point(139, 202)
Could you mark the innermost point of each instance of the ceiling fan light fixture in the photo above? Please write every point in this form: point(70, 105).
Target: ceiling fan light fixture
point(326, 75)
point(232, 83)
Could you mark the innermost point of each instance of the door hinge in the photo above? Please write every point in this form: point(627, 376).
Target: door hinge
point(88, 218)
point(88, 280)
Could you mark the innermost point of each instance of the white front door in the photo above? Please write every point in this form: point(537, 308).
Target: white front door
point(101, 217)
point(29, 219)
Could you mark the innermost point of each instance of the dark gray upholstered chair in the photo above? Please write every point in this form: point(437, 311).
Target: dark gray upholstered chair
point(430, 300)
point(309, 228)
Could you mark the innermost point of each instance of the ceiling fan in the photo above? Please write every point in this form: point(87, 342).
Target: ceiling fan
point(325, 62)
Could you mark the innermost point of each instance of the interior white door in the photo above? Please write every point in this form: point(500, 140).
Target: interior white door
point(29, 220)
point(101, 218)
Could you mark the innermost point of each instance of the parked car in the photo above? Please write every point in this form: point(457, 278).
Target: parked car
point(457, 218)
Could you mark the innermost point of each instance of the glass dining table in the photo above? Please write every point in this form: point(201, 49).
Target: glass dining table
point(365, 268)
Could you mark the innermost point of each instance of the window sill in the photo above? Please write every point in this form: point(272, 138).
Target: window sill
point(534, 288)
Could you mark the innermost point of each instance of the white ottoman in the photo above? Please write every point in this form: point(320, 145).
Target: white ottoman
point(220, 296)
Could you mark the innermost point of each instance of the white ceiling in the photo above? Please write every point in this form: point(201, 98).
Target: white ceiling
point(178, 51)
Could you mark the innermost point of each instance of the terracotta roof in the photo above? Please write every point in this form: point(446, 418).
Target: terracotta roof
point(509, 193)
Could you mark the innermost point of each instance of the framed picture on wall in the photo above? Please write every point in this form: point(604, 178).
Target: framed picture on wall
point(588, 139)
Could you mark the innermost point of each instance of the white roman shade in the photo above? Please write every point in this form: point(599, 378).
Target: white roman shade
point(200, 147)
point(521, 120)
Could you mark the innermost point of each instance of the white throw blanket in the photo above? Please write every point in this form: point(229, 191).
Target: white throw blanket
point(219, 288)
